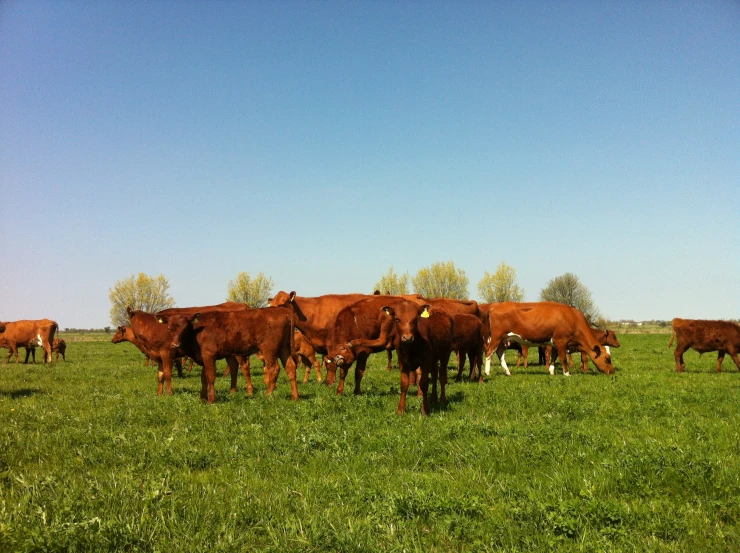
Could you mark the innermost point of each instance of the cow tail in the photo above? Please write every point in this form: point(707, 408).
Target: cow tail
point(673, 335)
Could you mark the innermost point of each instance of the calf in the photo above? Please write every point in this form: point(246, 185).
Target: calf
point(217, 335)
point(541, 323)
point(423, 338)
point(468, 342)
point(703, 336)
point(158, 337)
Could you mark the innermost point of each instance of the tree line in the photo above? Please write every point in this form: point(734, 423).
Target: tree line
point(439, 280)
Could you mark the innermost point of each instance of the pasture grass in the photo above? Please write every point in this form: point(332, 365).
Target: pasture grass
point(646, 460)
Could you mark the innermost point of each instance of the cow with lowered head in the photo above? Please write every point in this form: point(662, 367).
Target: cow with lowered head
point(541, 323)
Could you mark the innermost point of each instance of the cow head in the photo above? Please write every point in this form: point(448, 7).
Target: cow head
point(282, 299)
point(406, 317)
point(120, 335)
point(611, 339)
point(177, 326)
point(342, 355)
point(602, 360)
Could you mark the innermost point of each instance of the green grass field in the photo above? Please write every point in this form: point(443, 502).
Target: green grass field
point(647, 460)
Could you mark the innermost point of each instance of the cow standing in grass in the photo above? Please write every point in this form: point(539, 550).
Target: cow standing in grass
point(29, 334)
point(541, 324)
point(704, 336)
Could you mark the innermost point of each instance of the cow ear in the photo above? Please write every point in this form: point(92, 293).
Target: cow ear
point(425, 311)
point(597, 351)
point(161, 320)
point(387, 310)
point(376, 293)
point(292, 296)
point(195, 318)
point(129, 311)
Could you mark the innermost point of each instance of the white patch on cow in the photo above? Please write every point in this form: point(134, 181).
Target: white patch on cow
point(36, 341)
point(504, 365)
point(566, 373)
point(488, 341)
point(607, 350)
point(552, 370)
point(488, 364)
point(523, 341)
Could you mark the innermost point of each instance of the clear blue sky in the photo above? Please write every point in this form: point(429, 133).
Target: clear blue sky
point(321, 142)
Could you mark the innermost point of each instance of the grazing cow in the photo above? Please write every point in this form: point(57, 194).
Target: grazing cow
point(219, 335)
point(703, 336)
point(29, 334)
point(541, 323)
point(158, 337)
point(547, 355)
point(468, 342)
point(423, 338)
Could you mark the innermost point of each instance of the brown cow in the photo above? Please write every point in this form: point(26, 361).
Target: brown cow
point(468, 342)
point(218, 335)
point(423, 338)
point(29, 334)
point(541, 323)
point(547, 355)
point(315, 316)
point(158, 337)
point(233, 363)
point(703, 336)
point(307, 355)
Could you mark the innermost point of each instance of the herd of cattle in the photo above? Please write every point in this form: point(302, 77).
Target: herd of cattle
point(347, 328)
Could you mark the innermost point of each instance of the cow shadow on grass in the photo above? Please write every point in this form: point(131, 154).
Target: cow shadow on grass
point(20, 394)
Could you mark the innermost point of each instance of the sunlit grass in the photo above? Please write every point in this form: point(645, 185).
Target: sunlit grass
point(647, 460)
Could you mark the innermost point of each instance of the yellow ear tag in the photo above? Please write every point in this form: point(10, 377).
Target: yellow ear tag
point(425, 314)
point(161, 321)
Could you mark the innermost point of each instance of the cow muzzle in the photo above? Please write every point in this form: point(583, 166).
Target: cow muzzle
point(339, 360)
point(407, 338)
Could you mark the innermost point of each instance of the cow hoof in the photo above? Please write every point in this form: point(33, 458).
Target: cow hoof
point(566, 374)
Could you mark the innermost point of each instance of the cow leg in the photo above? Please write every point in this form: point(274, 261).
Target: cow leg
point(208, 380)
point(720, 359)
point(461, 355)
point(584, 362)
point(342, 375)
point(167, 367)
point(232, 367)
point(28, 354)
point(360, 366)
point(678, 355)
point(178, 366)
point(551, 354)
point(734, 357)
point(404, 389)
point(426, 368)
point(317, 368)
point(390, 359)
point(160, 378)
point(562, 349)
point(289, 364)
point(306, 364)
point(443, 364)
point(501, 352)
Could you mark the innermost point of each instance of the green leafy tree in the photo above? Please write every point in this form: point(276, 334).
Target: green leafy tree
point(500, 286)
point(391, 283)
point(253, 291)
point(568, 289)
point(441, 280)
point(139, 292)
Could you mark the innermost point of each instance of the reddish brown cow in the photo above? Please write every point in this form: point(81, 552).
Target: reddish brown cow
point(423, 338)
point(468, 342)
point(307, 355)
point(59, 346)
point(158, 337)
point(29, 334)
point(703, 336)
point(360, 320)
point(233, 363)
point(547, 355)
point(541, 323)
point(315, 316)
point(218, 335)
